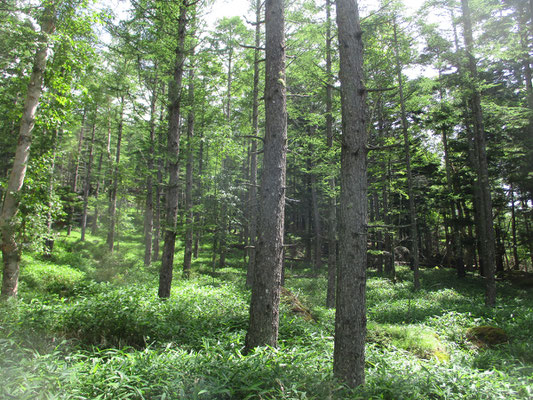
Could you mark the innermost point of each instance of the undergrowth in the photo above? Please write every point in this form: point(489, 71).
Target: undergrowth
point(89, 325)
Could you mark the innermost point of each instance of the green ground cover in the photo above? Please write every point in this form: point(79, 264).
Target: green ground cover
point(88, 325)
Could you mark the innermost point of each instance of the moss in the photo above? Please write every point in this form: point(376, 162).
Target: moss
point(421, 342)
point(484, 336)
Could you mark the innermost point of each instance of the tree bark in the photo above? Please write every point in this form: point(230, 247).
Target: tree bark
point(332, 201)
point(350, 317)
point(11, 251)
point(252, 228)
point(113, 192)
point(487, 234)
point(264, 306)
point(149, 211)
point(87, 183)
point(74, 184)
point(187, 255)
point(413, 230)
point(173, 149)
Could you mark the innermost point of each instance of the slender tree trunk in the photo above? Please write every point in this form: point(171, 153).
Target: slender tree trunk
point(264, 306)
point(187, 256)
point(11, 251)
point(149, 211)
point(87, 183)
point(173, 148)
point(332, 200)
point(350, 317)
point(113, 192)
point(516, 264)
point(49, 241)
point(317, 263)
point(158, 194)
point(390, 270)
point(482, 173)
point(74, 184)
point(199, 218)
point(252, 228)
point(94, 227)
point(413, 230)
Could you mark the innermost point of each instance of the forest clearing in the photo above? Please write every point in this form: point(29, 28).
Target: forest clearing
point(280, 200)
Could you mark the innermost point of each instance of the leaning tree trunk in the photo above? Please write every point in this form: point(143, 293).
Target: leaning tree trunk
point(264, 305)
point(11, 250)
point(487, 234)
point(350, 317)
point(173, 149)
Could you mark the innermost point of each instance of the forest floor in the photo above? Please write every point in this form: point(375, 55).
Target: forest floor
point(89, 325)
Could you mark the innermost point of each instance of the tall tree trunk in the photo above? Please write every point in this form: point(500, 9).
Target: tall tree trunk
point(516, 259)
point(49, 241)
point(332, 200)
point(159, 183)
point(74, 184)
point(87, 183)
point(11, 251)
point(264, 305)
point(187, 255)
point(252, 228)
point(413, 230)
point(149, 211)
point(487, 234)
point(350, 317)
point(173, 149)
point(113, 192)
point(94, 227)
point(317, 262)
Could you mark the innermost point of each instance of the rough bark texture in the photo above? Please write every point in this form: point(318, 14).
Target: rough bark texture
point(11, 252)
point(487, 234)
point(264, 307)
point(332, 206)
point(173, 149)
point(187, 255)
point(350, 317)
point(252, 227)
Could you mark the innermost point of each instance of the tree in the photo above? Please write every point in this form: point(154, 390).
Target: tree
point(11, 251)
point(266, 287)
point(350, 317)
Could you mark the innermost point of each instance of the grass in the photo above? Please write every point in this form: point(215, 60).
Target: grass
point(88, 325)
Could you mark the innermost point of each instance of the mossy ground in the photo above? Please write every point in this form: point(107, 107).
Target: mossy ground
point(89, 325)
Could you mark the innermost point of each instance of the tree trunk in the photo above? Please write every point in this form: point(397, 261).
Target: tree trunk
point(332, 201)
point(264, 306)
point(11, 251)
point(482, 173)
point(113, 192)
point(173, 149)
point(149, 211)
point(413, 230)
point(252, 228)
point(159, 183)
point(350, 317)
point(516, 264)
point(94, 227)
point(87, 183)
point(187, 255)
point(74, 186)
